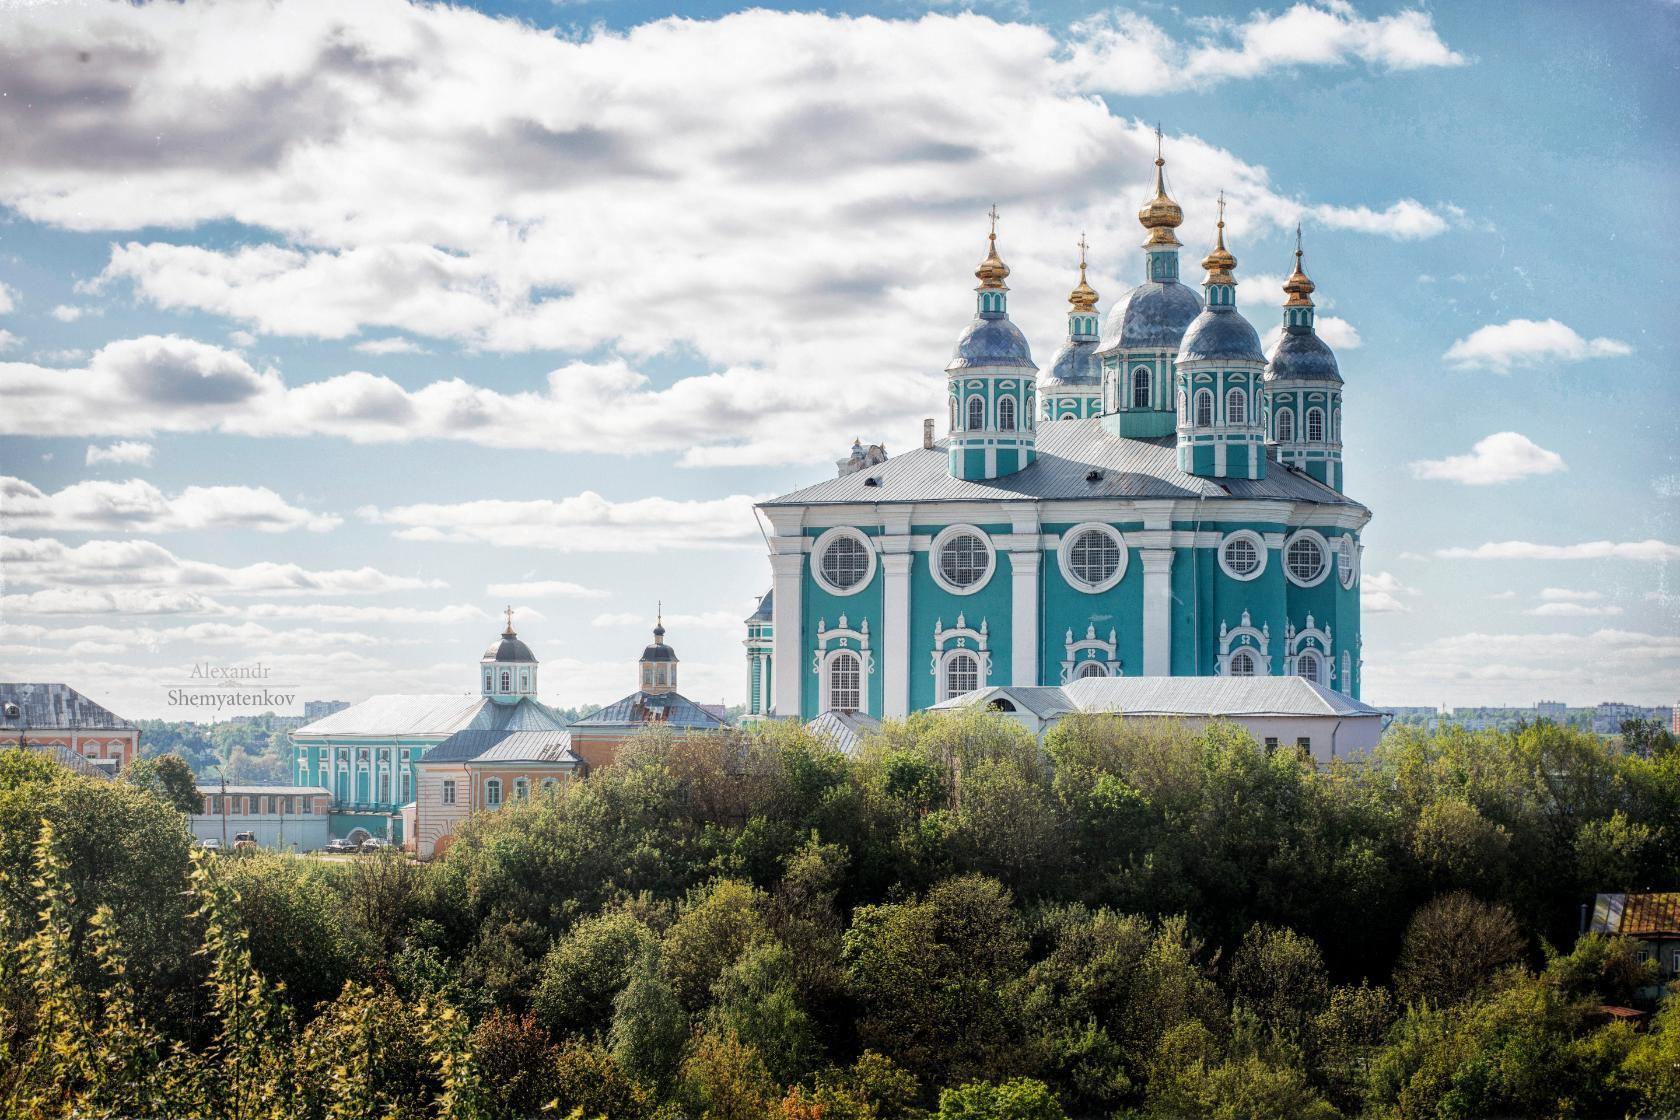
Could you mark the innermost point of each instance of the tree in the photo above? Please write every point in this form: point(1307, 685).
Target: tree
point(583, 972)
point(170, 778)
point(727, 1078)
point(1279, 976)
point(721, 922)
point(517, 1064)
point(1021, 1098)
point(648, 1027)
point(756, 1000)
point(1453, 945)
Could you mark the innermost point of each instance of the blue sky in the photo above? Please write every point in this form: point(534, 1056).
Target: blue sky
point(327, 330)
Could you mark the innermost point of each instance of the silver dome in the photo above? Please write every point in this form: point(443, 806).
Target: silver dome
point(991, 342)
point(1150, 316)
point(1302, 356)
point(1221, 334)
point(1074, 364)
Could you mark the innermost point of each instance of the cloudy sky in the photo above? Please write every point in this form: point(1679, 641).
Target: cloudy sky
point(328, 329)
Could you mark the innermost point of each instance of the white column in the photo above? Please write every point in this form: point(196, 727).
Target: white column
point(1023, 631)
point(786, 569)
point(895, 624)
point(1157, 611)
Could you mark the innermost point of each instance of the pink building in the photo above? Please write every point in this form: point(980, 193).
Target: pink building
point(56, 715)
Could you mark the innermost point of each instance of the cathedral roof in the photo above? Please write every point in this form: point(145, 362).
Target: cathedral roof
point(1221, 333)
point(1150, 316)
point(1302, 356)
point(396, 715)
point(475, 745)
point(1074, 364)
point(766, 607)
point(671, 709)
point(991, 342)
point(1068, 452)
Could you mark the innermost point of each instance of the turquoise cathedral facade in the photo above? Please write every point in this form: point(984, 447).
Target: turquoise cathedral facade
point(1164, 499)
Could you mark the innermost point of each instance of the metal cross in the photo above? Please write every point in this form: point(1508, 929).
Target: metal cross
point(1157, 139)
point(1297, 239)
point(1221, 207)
point(510, 618)
point(993, 215)
point(1082, 248)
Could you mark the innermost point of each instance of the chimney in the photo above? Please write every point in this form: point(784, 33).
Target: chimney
point(927, 435)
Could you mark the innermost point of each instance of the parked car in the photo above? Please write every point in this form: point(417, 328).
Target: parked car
point(242, 841)
point(342, 847)
point(211, 844)
point(374, 844)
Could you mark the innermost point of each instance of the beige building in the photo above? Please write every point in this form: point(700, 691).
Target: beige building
point(55, 717)
point(481, 771)
point(1277, 711)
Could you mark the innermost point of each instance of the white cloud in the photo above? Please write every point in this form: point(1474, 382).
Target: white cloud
point(584, 523)
point(1526, 342)
point(128, 452)
point(390, 346)
point(138, 506)
point(8, 300)
point(1573, 610)
point(1380, 593)
point(1501, 457)
point(429, 170)
point(1473, 667)
point(1338, 334)
point(129, 572)
point(707, 620)
point(8, 341)
point(544, 589)
point(1646, 550)
point(1566, 595)
point(68, 313)
point(1122, 52)
point(242, 339)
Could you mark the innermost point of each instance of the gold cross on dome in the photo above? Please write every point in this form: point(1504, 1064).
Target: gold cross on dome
point(510, 618)
point(1082, 248)
point(1157, 139)
point(993, 215)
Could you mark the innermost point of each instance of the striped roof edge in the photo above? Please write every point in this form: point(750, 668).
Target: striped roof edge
point(1637, 914)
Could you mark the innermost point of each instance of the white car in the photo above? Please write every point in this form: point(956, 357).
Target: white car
point(211, 844)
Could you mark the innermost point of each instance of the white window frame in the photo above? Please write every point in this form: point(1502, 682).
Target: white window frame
point(1196, 409)
point(820, 545)
point(493, 785)
point(968, 413)
point(943, 538)
point(1091, 668)
point(1009, 427)
point(1326, 557)
point(1238, 396)
point(1346, 545)
point(1064, 559)
point(1246, 652)
point(1260, 550)
point(1148, 388)
point(446, 792)
point(829, 662)
point(1285, 417)
point(946, 663)
point(1315, 411)
point(1313, 657)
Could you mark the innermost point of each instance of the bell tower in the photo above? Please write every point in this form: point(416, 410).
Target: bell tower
point(991, 386)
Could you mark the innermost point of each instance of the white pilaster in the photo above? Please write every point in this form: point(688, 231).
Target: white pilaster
point(1023, 632)
point(787, 571)
point(1157, 611)
point(895, 624)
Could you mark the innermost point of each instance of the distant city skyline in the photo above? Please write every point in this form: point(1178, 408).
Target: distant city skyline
point(328, 331)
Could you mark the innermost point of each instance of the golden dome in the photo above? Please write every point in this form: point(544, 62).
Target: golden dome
point(1220, 262)
point(1161, 215)
point(1083, 297)
point(992, 270)
point(1298, 287)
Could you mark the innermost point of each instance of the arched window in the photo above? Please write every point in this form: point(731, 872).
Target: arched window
point(1307, 665)
point(521, 789)
point(1315, 425)
point(962, 674)
point(1236, 407)
point(493, 793)
point(1336, 425)
point(1091, 669)
point(976, 413)
point(524, 682)
point(489, 684)
point(845, 683)
point(407, 789)
point(1242, 663)
point(384, 787)
point(1285, 426)
point(1006, 414)
point(1183, 408)
point(1204, 409)
point(1347, 672)
point(1140, 388)
point(953, 414)
point(507, 681)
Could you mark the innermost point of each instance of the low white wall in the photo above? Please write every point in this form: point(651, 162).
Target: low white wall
point(303, 834)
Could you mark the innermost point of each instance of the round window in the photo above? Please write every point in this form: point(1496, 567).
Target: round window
point(843, 561)
point(964, 560)
point(1305, 560)
point(1347, 560)
point(1243, 555)
point(1092, 557)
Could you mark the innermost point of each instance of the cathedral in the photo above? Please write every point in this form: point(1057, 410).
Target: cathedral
point(1164, 500)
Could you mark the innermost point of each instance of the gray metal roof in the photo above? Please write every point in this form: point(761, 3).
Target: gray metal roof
point(1151, 316)
point(504, 746)
point(64, 756)
point(394, 716)
point(210, 785)
point(1068, 450)
point(991, 341)
point(56, 707)
point(1075, 364)
point(668, 708)
point(509, 648)
point(843, 730)
point(1300, 355)
point(1221, 333)
point(1205, 697)
point(766, 607)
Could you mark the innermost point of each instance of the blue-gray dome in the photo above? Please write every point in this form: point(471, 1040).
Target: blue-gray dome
point(991, 342)
point(1302, 356)
point(1074, 364)
point(1150, 316)
point(1219, 333)
point(510, 648)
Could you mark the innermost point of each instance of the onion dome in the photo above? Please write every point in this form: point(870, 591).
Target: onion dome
point(659, 651)
point(1220, 332)
point(510, 648)
point(1151, 316)
point(992, 271)
point(1160, 215)
point(1220, 262)
point(1083, 297)
point(1300, 355)
point(991, 339)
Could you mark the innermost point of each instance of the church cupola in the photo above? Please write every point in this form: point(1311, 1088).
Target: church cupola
point(993, 397)
point(1220, 369)
point(508, 668)
point(1071, 389)
point(1303, 387)
point(1145, 326)
point(659, 662)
